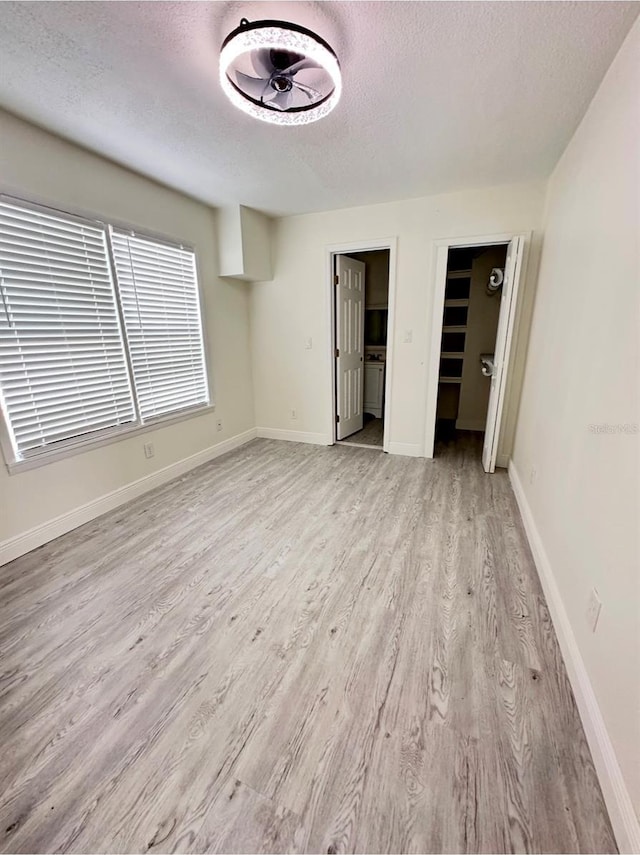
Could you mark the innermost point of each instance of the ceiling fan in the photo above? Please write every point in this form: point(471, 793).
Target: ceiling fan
point(280, 72)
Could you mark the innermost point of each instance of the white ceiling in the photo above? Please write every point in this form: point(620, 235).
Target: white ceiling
point(438, 96)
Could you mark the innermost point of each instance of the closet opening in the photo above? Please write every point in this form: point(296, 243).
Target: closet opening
point(478, 287)
point(460, 267)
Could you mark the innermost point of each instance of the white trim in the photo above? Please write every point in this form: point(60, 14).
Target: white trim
point(436, 309)
point(621, 812)
point(407, 449)
point(294, 436)
point(28, 540)
point(470, 424)
point(390, 243)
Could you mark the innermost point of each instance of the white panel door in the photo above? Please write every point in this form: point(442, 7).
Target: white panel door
point(349, 345)
point(512, 267)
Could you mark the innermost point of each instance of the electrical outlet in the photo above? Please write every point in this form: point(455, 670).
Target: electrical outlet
point(293, 414)
point(149, 450)
point(219, 424)
point(533, 474)
point(408, 336)
point(308, 343)
point(594, 605)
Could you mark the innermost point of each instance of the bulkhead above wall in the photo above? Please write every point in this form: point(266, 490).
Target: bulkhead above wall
point(244, 243)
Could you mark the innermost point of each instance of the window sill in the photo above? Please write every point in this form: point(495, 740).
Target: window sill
point(16, 466)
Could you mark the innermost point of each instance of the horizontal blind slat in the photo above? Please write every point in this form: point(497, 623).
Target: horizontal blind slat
point(38, 236)
point(64, 403)
point(15, 280)
point(42, 255)
point(51, 222)
point(18, 389)
point(160, 389)
point(81, 304)
point(77, 289)
point(70, 415)
point(82, 429)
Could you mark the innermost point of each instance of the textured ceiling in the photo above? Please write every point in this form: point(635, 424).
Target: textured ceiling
point(438, 96)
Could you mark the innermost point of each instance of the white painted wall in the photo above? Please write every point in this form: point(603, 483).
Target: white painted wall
point(244, 243)
point(37, 165)
point(582, 370)
point(294, 306)
point(256, 239)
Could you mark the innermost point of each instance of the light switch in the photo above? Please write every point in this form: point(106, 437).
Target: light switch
point(308, 344)
point(408, 336)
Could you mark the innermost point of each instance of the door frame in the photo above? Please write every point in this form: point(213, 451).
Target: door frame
point(390, 243)
point(439, 279)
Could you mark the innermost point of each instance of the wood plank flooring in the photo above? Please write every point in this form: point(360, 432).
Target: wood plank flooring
point(293, 648)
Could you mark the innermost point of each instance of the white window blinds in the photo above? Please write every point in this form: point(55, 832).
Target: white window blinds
point(158, 291)
point(63, 370)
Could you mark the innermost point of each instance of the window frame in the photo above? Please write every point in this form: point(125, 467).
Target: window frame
point(97, 439)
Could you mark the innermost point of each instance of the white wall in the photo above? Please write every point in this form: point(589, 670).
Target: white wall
point(37, 165)
point(244, 243)
point(582, 370)
point(294, 306)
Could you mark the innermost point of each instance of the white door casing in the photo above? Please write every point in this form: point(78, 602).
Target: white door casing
point(349, 344)
point(504, 336)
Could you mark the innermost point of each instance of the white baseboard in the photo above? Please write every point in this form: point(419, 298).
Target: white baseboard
point(471, 424)
point(294, 436)
point(621, 812)
point(16, 546)
point(408, 449)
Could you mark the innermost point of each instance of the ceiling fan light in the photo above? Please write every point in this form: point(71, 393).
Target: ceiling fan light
point(280, 36)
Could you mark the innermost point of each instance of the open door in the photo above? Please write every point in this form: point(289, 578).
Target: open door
point(349, 345)
point(513, 265)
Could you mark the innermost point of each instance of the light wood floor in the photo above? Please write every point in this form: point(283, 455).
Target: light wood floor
point(293, 648)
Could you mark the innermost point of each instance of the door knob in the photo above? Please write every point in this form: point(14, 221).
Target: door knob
point(488, 365)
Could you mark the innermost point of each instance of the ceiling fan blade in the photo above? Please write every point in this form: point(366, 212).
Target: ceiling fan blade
point(282, 100)
point(261, 61)
point(253, 86)
point(308, 90)
point(301, 65)
point(269, 94)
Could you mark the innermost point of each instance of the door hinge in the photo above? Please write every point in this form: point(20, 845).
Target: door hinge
point(336, 279)
point(337, 352)
point(337, 418)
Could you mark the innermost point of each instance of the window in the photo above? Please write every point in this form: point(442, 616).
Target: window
point(159, 296)
point(100, 330)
